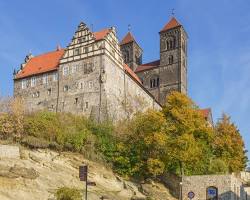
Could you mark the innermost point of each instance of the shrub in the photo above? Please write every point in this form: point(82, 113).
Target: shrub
point(34, 142)
point(66, 193)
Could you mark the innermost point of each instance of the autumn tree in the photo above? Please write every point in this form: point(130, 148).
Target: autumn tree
point(189, 136)
point(229, 145)
point(142, 150)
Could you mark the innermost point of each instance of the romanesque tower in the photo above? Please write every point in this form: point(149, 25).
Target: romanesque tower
point(131, 51)
point(173, 59)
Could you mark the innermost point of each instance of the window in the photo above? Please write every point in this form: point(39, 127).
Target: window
point(77, 51)
point(65, 70)
point(74, 69)
point(49, 91)
point(86, 105)
point(154, 82)
point(90, 84)
point(170, 59)
point(86, 49)
point(80, 40)
point(37, 94)
point(45, 79)
point(33, 81)
point(76, 101)
point(65, 88)
point(81, 85)
point(55, 76)
point(24, 84)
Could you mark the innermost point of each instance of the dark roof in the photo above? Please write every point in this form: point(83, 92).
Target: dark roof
point(148, 66)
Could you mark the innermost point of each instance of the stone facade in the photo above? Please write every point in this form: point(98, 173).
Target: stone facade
point(229, 187)
point(170, 71)
point(90, 79)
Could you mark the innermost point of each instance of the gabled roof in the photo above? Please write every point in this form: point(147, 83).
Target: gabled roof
point(41, 64)
point(173, 23)
point(127, 39)
point(131, 73)
point(101, 34)
point(148, 66)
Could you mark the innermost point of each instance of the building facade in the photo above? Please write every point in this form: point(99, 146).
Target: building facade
point(88, 77)
point(169, 73)
point(98, 76)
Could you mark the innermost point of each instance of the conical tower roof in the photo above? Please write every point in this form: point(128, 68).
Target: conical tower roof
point(127, 39)
point(173, 23)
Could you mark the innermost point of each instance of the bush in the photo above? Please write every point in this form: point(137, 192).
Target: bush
point(66, 193)
point(33, 142)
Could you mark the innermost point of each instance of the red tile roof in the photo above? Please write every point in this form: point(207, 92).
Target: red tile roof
point(127, 39)
point(101, 34)
point(131, 73)
point(148, 66)
point(171, 24)
point(42, 63)
point(206, 112)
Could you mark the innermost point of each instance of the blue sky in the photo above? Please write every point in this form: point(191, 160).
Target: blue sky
point(218, 52)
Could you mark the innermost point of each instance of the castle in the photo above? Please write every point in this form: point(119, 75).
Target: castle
point(100, 77)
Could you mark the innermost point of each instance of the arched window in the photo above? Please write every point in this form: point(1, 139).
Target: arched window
point(154, 82)
point(126, 56)
point(212, 193)
point(171, 59)
point(167, 45)
point(171, 44)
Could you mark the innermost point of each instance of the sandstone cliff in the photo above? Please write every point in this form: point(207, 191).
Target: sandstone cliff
point(36, 175)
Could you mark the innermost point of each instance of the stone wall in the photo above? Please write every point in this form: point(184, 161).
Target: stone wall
point(42, 95)
point(229, 187)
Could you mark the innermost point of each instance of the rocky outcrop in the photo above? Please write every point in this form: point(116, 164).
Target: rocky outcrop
point(37, 174)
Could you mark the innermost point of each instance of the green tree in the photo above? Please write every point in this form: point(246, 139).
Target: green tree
point(229, 145)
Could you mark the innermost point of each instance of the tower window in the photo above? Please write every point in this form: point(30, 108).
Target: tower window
point(170, 59)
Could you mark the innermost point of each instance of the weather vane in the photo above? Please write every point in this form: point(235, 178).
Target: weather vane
point(129, 27)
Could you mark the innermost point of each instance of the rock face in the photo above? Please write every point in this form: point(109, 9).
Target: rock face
point(37, 174)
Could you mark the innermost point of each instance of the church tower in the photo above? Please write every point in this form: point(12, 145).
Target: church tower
point(173, 59)
point(131, 51)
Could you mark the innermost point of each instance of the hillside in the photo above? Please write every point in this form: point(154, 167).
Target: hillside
point(36, 174)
